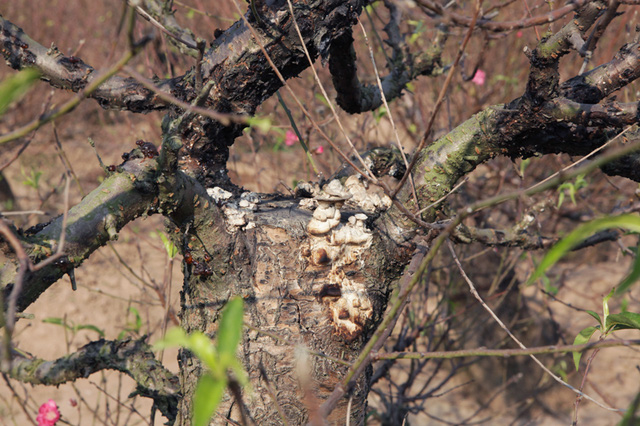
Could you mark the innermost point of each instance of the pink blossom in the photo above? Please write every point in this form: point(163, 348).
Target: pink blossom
point(479, 78)
point(290, 138)
point(519, 34)
point(320, 149)
point(48, 414)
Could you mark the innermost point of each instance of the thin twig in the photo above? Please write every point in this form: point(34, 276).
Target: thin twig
point(23, 212)
point(506, 353)
point(475, 293)
point(189, 43)
point(389, 113)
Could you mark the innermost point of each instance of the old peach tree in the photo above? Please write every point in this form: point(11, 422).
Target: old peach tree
point(317, 268)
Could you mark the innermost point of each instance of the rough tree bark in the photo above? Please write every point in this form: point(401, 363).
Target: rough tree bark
point(318, 269)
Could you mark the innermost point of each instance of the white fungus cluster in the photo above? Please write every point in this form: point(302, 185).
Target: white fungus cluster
point(336, 245)
point(235, 211)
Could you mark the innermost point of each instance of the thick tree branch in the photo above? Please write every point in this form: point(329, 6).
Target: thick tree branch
point(544, 76)
point(132, 357)
point(575, 124)
point(597, 84)
point(71, 73)
point(243, 79)
point(514, 237)
point(121, 198)
point(355, 97)
point(138, 187)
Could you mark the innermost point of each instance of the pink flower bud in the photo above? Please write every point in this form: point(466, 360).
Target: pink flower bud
point(479, 78)
point(320, 149)
point(48, 414)
point(290, 138)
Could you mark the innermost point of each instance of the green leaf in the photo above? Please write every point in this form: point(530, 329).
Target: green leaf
point(627, 221)
point(197, 342)
point(202, 346)
point(581, 338)
point(560, 199)
point(633, 275)
point(175, 336)
point(321, 98)
point(56, 321)
point(207, 396)
point(73, 328)
point(230, 329)
point(89, 327)
point(32, 180)
point(137, 325)
point(523, 166)
point(14, 87)
point(596, 316)
point(262, 124)
point(623, 321)
point(171, 248)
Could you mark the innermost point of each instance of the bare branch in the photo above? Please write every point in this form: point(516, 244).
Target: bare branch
point(169, 26)
point(68, 72)
point(484, 352)
point(132, 357)
point(355, 97)
point(434, 8)
point(544, 76)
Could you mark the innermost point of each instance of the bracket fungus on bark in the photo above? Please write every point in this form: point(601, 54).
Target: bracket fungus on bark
point(339, 247)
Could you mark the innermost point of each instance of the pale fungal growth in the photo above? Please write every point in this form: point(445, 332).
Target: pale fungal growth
point(250, 197)
point(237, 212)
point(335, 189)
point(353, 233)
point(235, 216)
point(249, 200)
point(355, 189)
point(218, 194)
point(339, 247)
point(352, 309)
point(307, 203)
point(327, 215)
point(366, 200)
